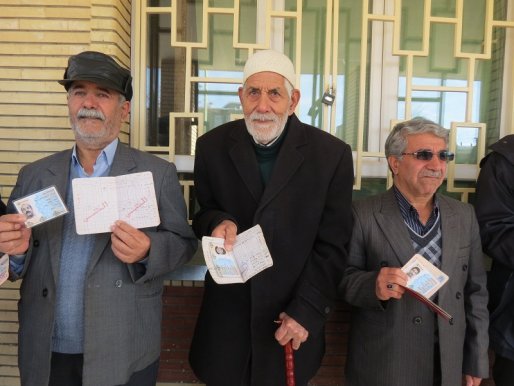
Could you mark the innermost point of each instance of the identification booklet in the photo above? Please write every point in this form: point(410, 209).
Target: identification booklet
point(249, 256)
point(100, 201)
point(4, 268)
point(41, 206)
point(425, 279)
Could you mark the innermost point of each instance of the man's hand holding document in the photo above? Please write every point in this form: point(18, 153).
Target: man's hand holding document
point(425, 279)
point(249, 256)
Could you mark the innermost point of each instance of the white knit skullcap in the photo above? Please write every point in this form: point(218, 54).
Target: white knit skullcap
point(272, 61)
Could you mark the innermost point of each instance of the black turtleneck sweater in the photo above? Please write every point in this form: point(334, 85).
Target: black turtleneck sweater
point(267, 155)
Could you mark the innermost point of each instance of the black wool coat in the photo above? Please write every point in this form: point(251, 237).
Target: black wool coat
point(305, 214)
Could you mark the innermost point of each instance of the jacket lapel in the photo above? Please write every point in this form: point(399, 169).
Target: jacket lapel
point(390, 221)
point(58, 176)
point(449, 226)
point(288, 161)
point(245, 161)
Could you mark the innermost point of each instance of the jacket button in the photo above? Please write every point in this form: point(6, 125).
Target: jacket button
point(118, 283)
point(36, 243)
point(458, 295)
point(327, 310)
point(417, 320)
point(465, 267)
point(45, 292)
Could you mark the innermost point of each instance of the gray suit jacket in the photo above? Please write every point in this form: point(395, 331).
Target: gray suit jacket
point(122, 301)
point(392, 342)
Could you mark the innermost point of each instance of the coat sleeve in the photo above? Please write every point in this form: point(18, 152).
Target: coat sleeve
point(495, 208)
point(209, 215)
point(358, 283)
point(317, 288)
point(477, 317)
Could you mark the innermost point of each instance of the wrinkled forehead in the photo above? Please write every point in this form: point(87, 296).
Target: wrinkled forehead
point(266, 79)
point(428, 141)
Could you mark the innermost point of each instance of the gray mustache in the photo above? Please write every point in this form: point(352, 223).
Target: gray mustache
point(89, 113)
point(427, 173)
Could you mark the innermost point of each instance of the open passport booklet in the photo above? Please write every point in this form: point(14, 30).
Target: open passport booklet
point(249, 256)
point(425, 279)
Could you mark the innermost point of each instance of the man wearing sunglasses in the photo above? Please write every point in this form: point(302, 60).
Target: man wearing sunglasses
point(396, 340)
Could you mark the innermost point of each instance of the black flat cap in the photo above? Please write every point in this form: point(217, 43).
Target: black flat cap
point(99, 68)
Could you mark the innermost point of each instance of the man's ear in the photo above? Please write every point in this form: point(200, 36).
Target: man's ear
point(240, 93)
point(125, 110)
point(295, 98)
point(393, 162)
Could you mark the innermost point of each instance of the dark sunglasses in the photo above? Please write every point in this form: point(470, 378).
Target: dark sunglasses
point(426, 155)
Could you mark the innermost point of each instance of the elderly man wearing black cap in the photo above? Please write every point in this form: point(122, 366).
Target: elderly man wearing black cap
point(90, 306)
point(295, 181)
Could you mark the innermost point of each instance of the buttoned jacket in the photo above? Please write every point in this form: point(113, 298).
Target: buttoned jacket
point(305, 214)
point(122, 302)
point(392, 342)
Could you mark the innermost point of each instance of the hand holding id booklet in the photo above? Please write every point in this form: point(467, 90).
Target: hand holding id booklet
point(425, 279)
point(249, 256)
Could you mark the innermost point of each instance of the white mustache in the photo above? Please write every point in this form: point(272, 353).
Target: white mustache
point(263, 117)
point(90, 113)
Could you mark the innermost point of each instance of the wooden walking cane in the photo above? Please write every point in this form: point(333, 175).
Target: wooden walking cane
point(289, 361)
point(288, 350)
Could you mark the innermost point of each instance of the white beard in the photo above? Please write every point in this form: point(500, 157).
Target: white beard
point(262, 130)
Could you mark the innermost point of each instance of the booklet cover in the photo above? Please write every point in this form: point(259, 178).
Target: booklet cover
point(249, 256)
point(425, 279)
point(4, 268)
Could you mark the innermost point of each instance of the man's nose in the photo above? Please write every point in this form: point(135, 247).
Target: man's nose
point(90, 100)
point(263, 104)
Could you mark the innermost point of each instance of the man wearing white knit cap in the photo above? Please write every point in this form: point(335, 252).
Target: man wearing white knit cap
point(295, 181)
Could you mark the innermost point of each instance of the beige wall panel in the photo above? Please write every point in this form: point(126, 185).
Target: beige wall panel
point(59, 3)
point(54, 25)
point(29, 62)
point(112, 26)
point(33, 98)
point(74, 12)
point(34, 121)
point(9, 168)
point(33, 86)
point(47, 37)
point(50, 49)
point(22, 158)
point(101, 36)
point(45, 134)
point(37, 146)
point(39, 110)
point(122, 6)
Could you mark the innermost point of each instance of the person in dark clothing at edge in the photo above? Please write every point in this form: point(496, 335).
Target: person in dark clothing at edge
point(495, 212)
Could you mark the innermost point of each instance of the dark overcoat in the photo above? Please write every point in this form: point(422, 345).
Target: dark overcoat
point(495, 212)
point(305, 214)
